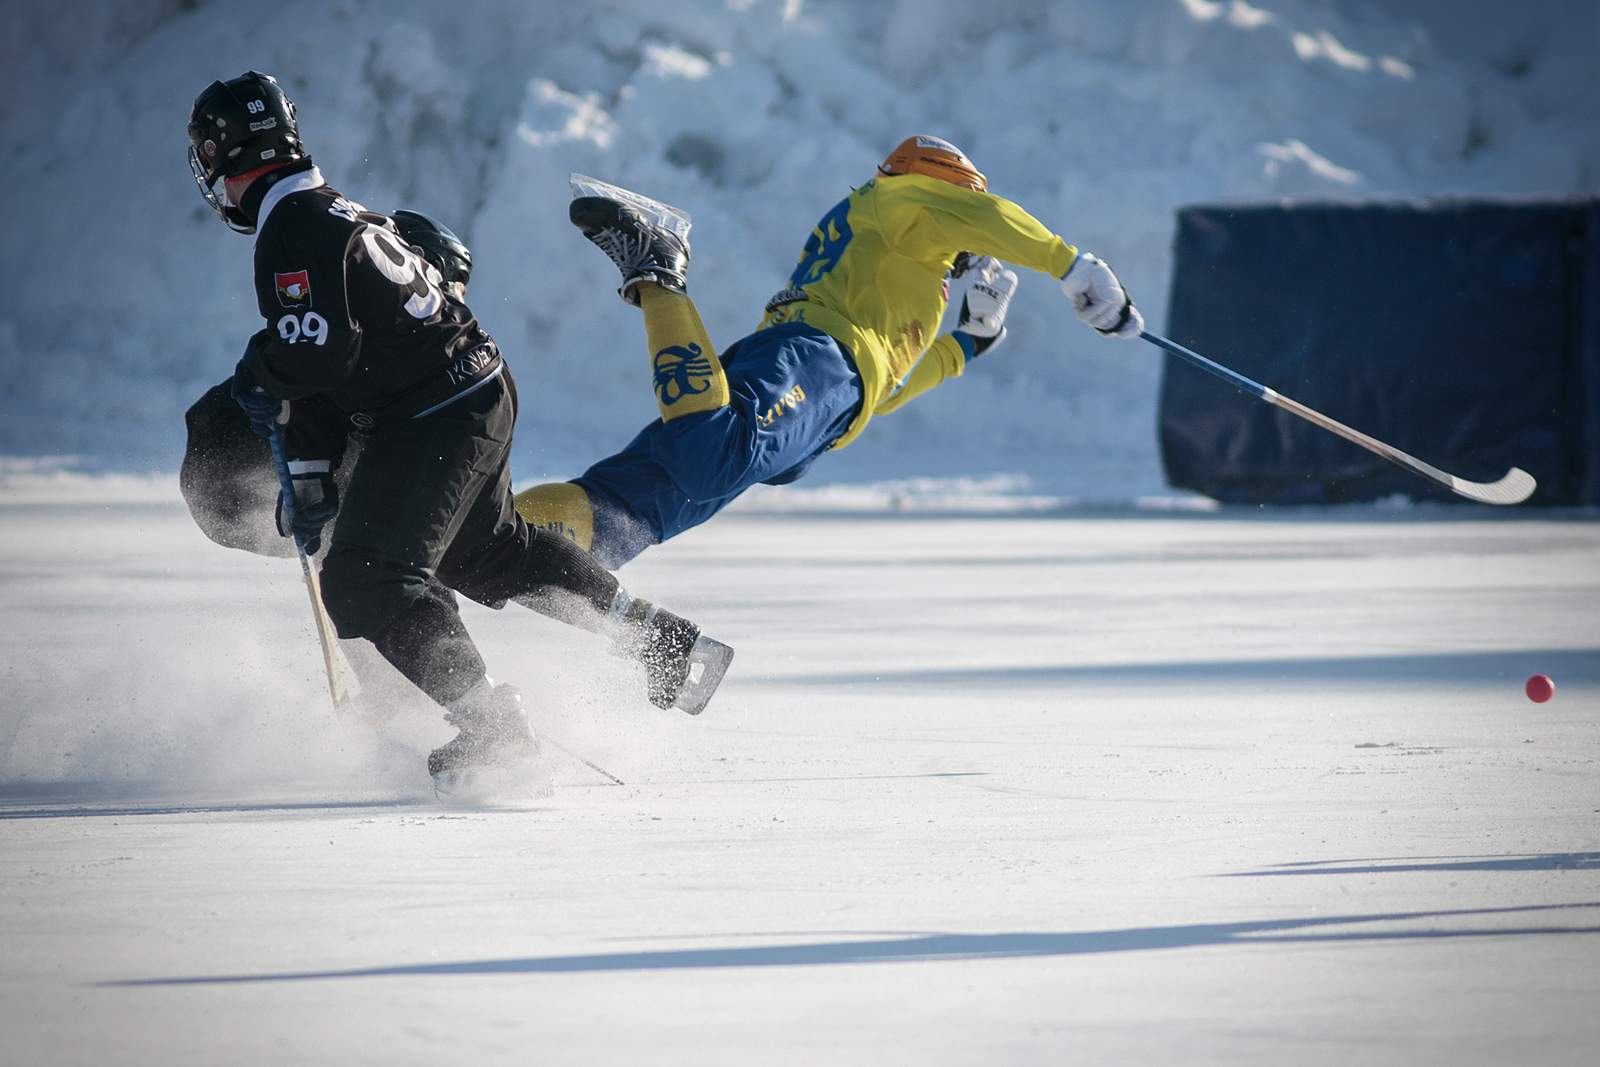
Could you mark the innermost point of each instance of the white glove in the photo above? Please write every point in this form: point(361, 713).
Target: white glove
point(983, 308)
point(1099, 298)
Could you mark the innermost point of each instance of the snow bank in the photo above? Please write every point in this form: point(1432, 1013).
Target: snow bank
point(125, 299)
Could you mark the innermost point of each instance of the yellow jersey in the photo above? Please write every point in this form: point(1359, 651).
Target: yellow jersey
point(873, 277)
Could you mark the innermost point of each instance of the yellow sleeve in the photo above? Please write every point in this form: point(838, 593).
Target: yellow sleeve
point(944, 359)
point(930, 216)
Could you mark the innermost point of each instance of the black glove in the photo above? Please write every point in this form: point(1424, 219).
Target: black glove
point(316, 502)
point(262, 409)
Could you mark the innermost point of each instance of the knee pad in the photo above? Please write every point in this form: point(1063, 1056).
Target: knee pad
point(562, 508)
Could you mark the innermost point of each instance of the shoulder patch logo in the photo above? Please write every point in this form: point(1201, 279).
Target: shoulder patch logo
point(294, 289)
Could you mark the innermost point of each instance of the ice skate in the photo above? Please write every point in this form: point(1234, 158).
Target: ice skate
point(683, 667)
point(494, 734)
point(643, 249)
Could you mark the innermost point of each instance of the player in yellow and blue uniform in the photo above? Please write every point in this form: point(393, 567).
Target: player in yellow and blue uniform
point(850, 337)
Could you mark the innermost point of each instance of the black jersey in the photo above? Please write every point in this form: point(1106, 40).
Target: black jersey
point(354, 314)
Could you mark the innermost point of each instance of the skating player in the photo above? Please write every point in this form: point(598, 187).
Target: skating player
point(359, 324)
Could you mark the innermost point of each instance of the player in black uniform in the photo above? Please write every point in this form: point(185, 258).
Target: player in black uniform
point(227, 477)
point(358, 324)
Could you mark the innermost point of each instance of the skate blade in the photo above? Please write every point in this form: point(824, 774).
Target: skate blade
point(708, 662)
point(664, 215)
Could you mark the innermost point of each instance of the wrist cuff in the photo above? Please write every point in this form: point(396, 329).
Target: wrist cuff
point(969, 344)
point(973, 347)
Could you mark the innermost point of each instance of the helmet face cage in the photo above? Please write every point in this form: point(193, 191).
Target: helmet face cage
point(207, 180)
point(235, 127)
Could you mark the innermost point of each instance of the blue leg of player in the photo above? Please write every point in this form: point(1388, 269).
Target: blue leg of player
point(793, 392)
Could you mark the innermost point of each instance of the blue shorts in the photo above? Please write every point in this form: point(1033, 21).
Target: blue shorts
point(793, 391)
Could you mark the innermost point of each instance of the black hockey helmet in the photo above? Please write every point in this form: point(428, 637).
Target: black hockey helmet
point(237, 126)
point(438, 245)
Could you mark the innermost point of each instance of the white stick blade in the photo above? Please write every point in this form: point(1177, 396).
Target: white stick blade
point(332, 660)
point(1517, 486)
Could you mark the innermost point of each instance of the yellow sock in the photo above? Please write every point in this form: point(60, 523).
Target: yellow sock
point(688, 375)
point(560, 507)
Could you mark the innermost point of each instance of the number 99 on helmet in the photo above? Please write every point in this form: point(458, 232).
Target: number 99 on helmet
point(238, 126)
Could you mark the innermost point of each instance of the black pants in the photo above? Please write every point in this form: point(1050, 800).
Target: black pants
point(425, 508)
point(428, 508)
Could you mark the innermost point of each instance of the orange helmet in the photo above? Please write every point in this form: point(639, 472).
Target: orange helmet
point(936, 158)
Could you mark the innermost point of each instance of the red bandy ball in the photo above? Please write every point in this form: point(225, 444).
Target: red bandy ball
point(1540, 688)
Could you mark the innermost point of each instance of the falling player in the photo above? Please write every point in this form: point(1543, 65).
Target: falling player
point(850, 337)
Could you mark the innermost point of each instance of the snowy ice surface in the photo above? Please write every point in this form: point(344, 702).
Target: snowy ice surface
point(1022, 787)
point(123, 298)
